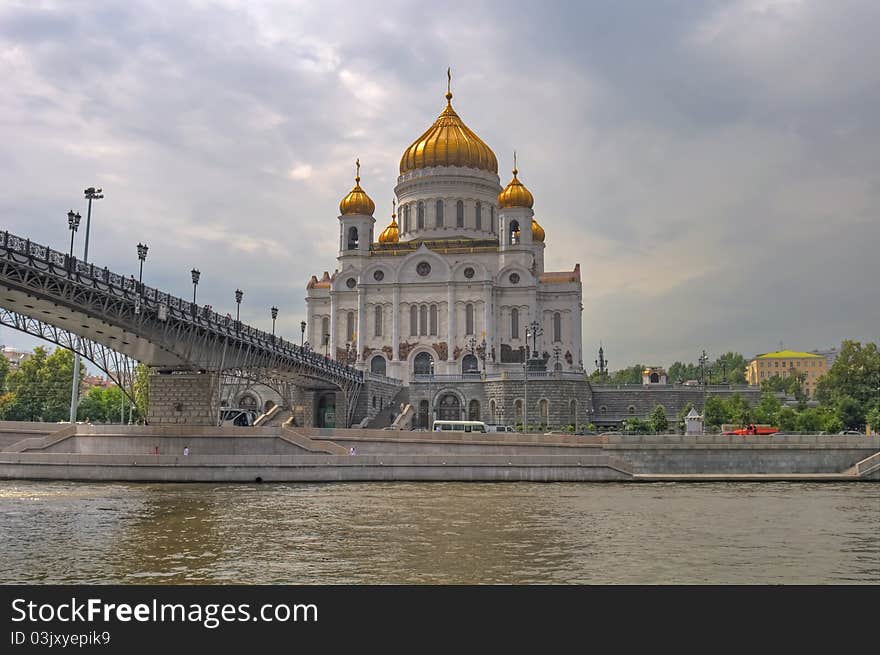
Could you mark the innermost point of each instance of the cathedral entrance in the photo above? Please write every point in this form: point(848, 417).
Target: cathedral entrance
point(327, 411)
point(449, 408)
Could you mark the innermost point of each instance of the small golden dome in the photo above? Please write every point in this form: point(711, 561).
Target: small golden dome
point(390, 233)
point(448, 142)
point(537, 232)
point(515, 194)
point(357, 201)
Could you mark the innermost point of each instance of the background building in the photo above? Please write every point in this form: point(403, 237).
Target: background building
point(785, 363)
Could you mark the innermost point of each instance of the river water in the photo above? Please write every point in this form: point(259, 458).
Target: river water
point(609, 533)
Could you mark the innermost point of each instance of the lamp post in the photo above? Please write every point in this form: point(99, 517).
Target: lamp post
point(535, 330)
point(525, 411)
point(73, 223)
point(195, 274)
point(90, 194)
point(142, 249)
point(238, 295)
point(347, 351)
point(326, 344)
point(556, 352)
point(274, 311)
point(302, 333)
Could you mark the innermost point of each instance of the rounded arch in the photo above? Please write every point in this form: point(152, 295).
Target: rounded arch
point(631, 410)
point(480, 271)
point(461, 402)
point(573, 412)
point(544, 411)
point(470, 364)
point(422, 361)
point(603, 410)
point(525, 276)
point(439, 266)
point(493, 411)
point(248, 399)
point(474, 413)
point(352, 240)
point(378, 364)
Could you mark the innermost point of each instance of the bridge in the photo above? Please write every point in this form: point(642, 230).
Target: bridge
point(114, 321)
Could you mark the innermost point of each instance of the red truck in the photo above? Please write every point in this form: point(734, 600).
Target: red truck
point(753, 429)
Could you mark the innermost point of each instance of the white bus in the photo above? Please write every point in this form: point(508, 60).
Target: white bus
point(458, 426)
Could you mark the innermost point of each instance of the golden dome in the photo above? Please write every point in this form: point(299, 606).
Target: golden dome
point(390, 233)
point(357, 201)
point(448, 142)
point(515, 194)
point(537, 232)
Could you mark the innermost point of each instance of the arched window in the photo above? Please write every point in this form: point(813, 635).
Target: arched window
point(420, 214)
point(325, 330)
point(492, 411)
point(468, 319)
point(377, 365)
point(474, 410)
point(439, 213)
point(573, 413)
point(433, 330)
point(406, 219)
point(352, 238)
point(514, 323)
point(544, 411)
point(423, 364)
point(492, 219)
point(378, 321)
point(631, 409)
point(603, 410)
point(459, 214)
point(514, 232)
point(413, 320)
point(470, 364)
point(518, 411)
point(479, 216)
point(423, 320)
point(557, 326)
point(349, 327)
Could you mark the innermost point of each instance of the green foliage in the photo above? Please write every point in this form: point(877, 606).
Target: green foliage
point(730, 368)
point(738, 409)
point(679, 418)
point(658, 419)
point(682, 372)
point(793, 385)
point(787, 419)
point(850, 413)
point(767, 409)
point(637, 425)
point(108, 405)
point(855, 373)
point(142, 388)
point(715, 412)
point(41, 386)
point(872, 419)
point(4, 372)
point(630, 375)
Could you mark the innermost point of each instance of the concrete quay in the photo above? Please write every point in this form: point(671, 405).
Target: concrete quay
point(282, 454)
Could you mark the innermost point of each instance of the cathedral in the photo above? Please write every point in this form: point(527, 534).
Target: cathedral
point(455, 284)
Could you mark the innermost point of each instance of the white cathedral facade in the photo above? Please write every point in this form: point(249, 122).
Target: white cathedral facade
point(455, 284)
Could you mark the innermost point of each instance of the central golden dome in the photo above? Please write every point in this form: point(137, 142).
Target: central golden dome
point(448, 142)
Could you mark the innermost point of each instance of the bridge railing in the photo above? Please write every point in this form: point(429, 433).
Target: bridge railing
point(167, 305)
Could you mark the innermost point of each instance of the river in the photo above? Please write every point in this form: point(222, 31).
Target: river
point(471, 533)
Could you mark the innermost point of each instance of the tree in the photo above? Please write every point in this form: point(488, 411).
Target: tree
point(41, 386)
point(637, 425)
point(787, 419)
point(93, 406)
point(739, 410)
point(679, 418)
point(873, 419)
point(767, 409)
point(679, 371)
point(729, 367)
point(855, 374)
point(4, 373)
point(715, 412)
point(850, 413)
point(630, 375)
point(658, 419)
point(142, 389)
point(26, 385)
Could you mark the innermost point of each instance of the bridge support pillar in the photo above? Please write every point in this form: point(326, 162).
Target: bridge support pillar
point(183, 399)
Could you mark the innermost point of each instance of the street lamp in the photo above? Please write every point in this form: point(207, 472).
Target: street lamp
point(73, 224)
point(274, 311)
point(302, 333)
point(535, 330)
point(238, 295)
point(91, 194)
point(556, 352)
point(195, 273)
point(326, 344)
point(142, 249)
point(347, 351)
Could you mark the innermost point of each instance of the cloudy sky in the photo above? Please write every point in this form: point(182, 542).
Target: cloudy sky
point(714, 167)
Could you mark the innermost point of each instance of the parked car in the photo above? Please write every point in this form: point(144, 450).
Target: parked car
point(856, 432)
point(493, 427)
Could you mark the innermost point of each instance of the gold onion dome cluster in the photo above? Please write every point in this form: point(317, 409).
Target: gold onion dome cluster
point(515, 194)
point(357, 201)
point(391, 233)
point(448, 142)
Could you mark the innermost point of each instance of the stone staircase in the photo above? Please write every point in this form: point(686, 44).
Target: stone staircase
point(405, 420)
point(383, 418)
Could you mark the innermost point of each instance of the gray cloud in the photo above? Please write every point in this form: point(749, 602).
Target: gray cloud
point(713, 168)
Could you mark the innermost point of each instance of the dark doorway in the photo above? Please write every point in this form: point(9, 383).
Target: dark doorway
point(449, 408)
point(327, 411)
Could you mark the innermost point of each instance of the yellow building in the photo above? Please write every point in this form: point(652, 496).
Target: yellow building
point(784, 363)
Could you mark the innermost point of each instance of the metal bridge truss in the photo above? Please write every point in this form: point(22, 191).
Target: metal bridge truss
point(182, 336)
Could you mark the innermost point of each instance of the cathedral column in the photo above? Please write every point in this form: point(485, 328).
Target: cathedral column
point(488, 322)
point(333, 327)
point(450, 321)
point(395, 323)
point(361, 324)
